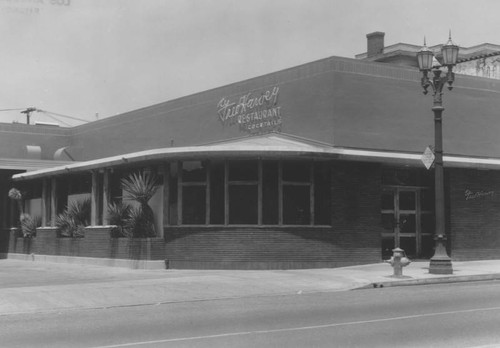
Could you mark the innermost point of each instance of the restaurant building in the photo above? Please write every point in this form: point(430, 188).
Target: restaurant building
point(319, 165)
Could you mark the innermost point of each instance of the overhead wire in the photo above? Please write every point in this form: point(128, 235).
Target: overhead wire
point(11, 109)
point(66, 116)
point(57, 119)
point(51, 115)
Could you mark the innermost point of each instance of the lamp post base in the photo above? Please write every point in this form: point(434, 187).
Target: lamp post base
point(440, 266)
point(440, 262)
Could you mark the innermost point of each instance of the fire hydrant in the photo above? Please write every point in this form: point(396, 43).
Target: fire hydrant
point(398, 261)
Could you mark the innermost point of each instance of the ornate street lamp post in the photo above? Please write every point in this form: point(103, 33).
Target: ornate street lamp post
point(440, 263)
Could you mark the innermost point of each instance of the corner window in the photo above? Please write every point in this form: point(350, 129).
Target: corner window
point(250, 192)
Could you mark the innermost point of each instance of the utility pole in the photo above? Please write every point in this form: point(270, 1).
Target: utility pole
point(28, 112)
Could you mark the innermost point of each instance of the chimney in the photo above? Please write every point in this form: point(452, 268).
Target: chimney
point(375, 43)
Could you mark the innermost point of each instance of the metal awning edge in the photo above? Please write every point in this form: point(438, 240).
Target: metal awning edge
point(203, 152)
point(29, 164)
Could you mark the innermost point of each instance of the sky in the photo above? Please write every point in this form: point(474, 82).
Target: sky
point(92, 59)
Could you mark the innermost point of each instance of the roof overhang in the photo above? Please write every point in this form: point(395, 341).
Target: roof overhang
point(29, 164)
point(270, 146)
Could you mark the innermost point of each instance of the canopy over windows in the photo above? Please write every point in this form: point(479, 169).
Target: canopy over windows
point(264, 146)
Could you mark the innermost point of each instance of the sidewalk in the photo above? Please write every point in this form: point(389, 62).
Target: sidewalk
point(28, 287)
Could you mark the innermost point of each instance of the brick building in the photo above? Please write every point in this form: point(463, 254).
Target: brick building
point(314, 166)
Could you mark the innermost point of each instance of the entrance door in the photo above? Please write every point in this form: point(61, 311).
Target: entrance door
point(408, 221)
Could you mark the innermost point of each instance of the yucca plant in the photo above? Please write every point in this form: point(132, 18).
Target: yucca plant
point(138, 224)
point(72, 221)
point(141, 187)
point(80, 211)
point(119, 214)
point(29, 224)
point(65, 224)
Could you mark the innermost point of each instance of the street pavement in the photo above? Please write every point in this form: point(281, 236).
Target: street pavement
point(33, 286)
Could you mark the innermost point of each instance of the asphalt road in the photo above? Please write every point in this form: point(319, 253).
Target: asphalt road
point(451, 315)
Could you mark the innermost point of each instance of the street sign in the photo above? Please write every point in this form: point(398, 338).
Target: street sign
point(428, 157)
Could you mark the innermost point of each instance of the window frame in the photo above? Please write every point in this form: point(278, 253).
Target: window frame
point(258, 183)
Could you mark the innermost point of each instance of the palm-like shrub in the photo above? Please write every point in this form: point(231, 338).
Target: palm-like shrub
point(65, 224)
point(138, 224)
point(72, 221)
point(141, 187)
point(119, 214)
point(29, 224)
point(80, 211)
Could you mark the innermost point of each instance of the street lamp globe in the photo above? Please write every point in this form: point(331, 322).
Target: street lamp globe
point(450, 53)
point(425, 57)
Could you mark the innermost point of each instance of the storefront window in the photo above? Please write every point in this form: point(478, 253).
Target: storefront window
point(322, 207)
point(243, 192)
point(173, 193)
point(194, 183)
point(296, 205)
point(243, 204)
point(217, 192)
point(407, 200)
point(193, 205)
point(297, 184)
point(250, 192)
point(270, 193)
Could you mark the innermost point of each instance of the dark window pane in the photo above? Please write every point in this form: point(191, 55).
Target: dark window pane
point(322, 214)
point(296, 205)
point(194, 171)
point(407, 223)
point(243, 170)
point(217, 193)
point(243, 204)
point(296, 171)
point(407, 200)
point(193, 205)
point(408, 244)
point(270, 195)
point(172, 199)
point(387, 246)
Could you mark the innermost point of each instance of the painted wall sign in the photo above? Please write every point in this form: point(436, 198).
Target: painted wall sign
point(484, 67)
point(252, 113)
point(478, 194)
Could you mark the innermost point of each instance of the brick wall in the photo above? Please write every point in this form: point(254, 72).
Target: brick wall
point(96, 243)
point(353, 238)
point(474, 214)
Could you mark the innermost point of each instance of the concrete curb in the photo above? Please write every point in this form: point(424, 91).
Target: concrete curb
point(430, 281)
point(92, 261)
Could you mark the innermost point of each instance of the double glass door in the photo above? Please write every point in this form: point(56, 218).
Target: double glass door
point(408, 221)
